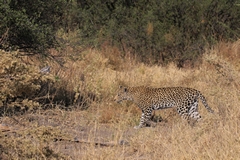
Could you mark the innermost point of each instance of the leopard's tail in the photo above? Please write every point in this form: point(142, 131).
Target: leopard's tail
point(204, 101)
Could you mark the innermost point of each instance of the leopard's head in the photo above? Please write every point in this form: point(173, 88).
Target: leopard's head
point(122, 94)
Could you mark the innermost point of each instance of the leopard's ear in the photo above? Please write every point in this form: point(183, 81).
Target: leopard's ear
point(124, 88)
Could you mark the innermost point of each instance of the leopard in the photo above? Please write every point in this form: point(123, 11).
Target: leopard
point(148, 99)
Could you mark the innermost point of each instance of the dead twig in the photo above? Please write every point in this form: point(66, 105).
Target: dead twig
point(101, 144)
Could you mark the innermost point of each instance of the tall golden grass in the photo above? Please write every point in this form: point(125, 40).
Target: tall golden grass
point(217, 136)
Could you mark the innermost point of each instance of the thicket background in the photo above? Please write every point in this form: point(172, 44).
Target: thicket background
point(154, 31)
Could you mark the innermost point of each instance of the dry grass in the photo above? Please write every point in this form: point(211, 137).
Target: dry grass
point(217, 136)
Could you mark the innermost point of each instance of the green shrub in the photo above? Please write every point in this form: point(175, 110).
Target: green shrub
point(30, 25)
point(155, 31)
point(159, 31)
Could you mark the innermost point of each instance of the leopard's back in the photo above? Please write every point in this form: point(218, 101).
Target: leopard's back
point(161, 98)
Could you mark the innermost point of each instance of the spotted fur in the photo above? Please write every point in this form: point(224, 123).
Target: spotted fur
point(148, 99)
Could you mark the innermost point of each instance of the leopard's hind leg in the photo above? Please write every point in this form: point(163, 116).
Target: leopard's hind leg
point(194, 115)
point(193, 111)
point(189, 112)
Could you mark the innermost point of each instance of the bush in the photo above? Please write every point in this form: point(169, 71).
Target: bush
point(30, 25)
point(155, 31)
point(159, 31)
point(20, 83)
point(25, 88)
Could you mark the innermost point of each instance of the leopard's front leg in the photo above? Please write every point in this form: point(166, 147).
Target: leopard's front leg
point(146, 115)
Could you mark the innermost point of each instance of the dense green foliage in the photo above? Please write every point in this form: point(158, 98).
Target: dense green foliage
point(29, 25)
point(156, 31)
point(159, 31)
